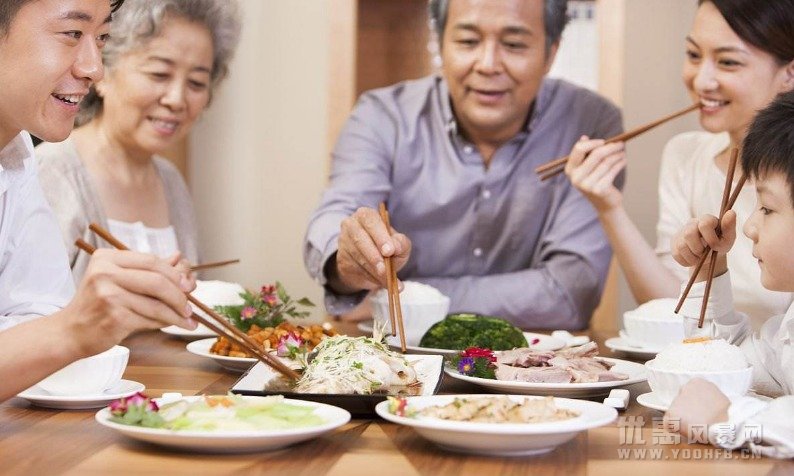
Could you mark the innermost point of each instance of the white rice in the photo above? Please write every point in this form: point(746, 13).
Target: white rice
point(662, 309)
point(415, 293)
point(218, 293)
point(713, 355)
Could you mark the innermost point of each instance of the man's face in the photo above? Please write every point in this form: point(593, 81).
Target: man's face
point(494, 61)
point(49, 57)
point(771, 227)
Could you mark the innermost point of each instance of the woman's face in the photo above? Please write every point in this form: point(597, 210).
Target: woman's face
point(153, 95)
point(731, 79)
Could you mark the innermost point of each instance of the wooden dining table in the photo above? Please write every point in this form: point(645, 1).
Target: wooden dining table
point(38, 441)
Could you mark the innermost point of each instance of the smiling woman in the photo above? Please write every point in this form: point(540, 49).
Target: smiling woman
point(163, 58)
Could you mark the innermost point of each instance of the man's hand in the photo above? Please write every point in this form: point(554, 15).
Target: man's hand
point(699, 402)
point(123, 292)
point(364, 242)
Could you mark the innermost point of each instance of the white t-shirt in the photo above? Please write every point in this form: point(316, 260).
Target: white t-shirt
point(690, 185)
point(35, 279)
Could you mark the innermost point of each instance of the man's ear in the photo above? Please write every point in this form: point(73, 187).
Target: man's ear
point(551, 55)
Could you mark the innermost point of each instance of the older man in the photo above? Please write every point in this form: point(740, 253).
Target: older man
point(49, 57)
point(453, 155)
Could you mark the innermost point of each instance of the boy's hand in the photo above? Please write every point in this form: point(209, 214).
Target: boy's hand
point(690, 243)
point(699, 402)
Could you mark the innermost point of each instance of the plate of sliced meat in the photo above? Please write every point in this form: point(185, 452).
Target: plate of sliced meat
point(572, 372)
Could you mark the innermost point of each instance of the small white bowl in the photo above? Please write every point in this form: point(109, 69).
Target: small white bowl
point(667, 383)
point(421, 305)
point(654, 324)
point(90, 376)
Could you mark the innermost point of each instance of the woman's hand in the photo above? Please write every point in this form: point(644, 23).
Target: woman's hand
point(592, 168)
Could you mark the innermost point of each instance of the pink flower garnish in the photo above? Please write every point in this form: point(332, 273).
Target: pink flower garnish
point(535, 341)
point(137, 399)
point(270, 299)
point(118, 407)
point(288, 344)
point(268, 289)
point(248, 312)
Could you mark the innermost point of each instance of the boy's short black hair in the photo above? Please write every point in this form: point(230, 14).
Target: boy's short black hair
point(769, 144)
point(9, 9)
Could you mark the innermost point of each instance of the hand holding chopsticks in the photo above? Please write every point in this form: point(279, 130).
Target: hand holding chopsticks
point(728, 199)
point(395, 308)
point(550, 169)
point(217, 323)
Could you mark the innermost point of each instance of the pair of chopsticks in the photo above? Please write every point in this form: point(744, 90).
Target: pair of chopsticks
point(395, 309)
point(550, 169)
point(214, 264)
point(226, 328)
point(728, 199)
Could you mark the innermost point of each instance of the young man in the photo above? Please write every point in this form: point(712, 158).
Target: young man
point(49, 57)
point(454, 156)
point(768, 427)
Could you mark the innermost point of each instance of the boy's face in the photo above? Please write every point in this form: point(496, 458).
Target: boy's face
point(49, 57)
point(771, 227)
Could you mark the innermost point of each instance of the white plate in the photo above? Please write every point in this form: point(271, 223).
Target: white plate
point(618, 344)
point(635, 371)
point(235, 364)
point(232, 441)
point(650, 400)
point(502, 439)
point(42, 398)
point(198, 332)
point(546, 342)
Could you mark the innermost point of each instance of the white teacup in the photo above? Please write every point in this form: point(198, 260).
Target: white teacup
point(89, 376)
point(421, 305)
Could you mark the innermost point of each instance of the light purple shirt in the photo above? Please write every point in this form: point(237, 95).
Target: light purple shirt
point(497, 241)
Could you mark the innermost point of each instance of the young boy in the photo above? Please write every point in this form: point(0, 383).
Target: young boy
point(50, 54)
point(766, 426)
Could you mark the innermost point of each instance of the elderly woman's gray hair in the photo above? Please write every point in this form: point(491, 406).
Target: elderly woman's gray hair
point(555, 17)
point(142, 20)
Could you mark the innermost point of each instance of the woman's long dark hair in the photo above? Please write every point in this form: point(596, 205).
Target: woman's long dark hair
point(766, 24)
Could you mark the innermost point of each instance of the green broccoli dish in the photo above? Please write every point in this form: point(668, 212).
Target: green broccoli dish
point(460, 331)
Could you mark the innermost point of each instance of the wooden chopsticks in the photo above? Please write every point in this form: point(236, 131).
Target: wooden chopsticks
point(728, 199)
point(214, 264)
point(550, 169)
point(226, 328)
point(395, 309)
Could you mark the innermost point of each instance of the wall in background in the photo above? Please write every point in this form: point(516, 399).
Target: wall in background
point(642, 52)
point(259, 155)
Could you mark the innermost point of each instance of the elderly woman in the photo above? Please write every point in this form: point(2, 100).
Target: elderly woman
point(163, 60)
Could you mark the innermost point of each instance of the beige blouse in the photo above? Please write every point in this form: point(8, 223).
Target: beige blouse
point(71, 193)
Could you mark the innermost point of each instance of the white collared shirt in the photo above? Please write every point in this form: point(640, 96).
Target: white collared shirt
point(34, 271)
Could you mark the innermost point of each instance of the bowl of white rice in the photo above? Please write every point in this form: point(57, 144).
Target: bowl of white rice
point(654, 324)
point(422, 306)
point(716, 361)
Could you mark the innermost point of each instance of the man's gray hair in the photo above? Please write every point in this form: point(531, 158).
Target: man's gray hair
point(555, 17)
point(140, 21)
